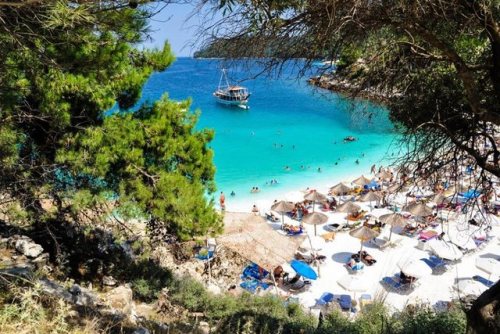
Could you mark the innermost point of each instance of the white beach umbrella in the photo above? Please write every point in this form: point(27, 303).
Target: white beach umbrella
point(445, 250)
point(414, 267)
point(489, 265)
point(469, 287)
point(353, 283)
point(463, 239)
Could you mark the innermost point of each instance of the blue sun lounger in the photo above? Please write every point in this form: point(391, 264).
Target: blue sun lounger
point(483, 280)
point(345, 302)
point(435, 263)
point(252, 271)
point(392, 283)
point(325, 298)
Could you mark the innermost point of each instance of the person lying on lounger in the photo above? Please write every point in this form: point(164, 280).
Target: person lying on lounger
point(291, 228)
point(405, 279)
point(366, 258)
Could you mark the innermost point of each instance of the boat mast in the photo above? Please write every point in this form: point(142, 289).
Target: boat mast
point(223, 76)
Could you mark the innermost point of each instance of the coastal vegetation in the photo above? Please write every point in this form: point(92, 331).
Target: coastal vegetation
point(64, 158)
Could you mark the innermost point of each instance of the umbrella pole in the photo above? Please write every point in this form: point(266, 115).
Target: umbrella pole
point(314, 229)
point(390, 234)
point(282, 220)
point(361, 248)
point(275, 285)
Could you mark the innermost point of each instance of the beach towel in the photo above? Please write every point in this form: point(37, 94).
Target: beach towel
point(427, 235)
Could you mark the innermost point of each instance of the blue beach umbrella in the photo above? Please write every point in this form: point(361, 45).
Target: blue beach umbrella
point(303, 269)
point(471, 194)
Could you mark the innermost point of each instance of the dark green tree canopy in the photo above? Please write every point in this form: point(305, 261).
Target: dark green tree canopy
point(64, 64)
point(437, 61)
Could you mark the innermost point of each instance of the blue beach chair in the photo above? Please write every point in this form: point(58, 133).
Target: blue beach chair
point(483, 280)
point(392, 283)
point(325, 298)
point(252, 271)
point(437, 265)
point(345, 302)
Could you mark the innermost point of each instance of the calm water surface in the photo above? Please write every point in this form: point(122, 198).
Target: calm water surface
point(289, 124)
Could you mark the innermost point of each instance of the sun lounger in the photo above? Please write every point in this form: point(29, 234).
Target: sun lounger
point(367, 258)
point(357, 268)
point(365, 300)
point(427, 235)
point(345, 302)
point(483, 280)
point(329, 236)
point(252, 271)
point(325, 298)
point(252, 285)
point(437, 265)
point(272, 218)
point(393, 284)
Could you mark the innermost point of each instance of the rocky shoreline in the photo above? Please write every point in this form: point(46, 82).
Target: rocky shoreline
point(335, 83)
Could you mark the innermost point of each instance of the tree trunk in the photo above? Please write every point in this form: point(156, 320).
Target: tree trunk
point(484, 315)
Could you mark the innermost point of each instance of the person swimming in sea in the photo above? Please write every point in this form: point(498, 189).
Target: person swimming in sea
point(287, 168)
point(233, 193)
point(357, 161)
point(319, 169)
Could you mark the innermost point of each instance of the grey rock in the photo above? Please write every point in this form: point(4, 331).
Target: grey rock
point(204, 327)
point(81, 296)
point(28, 247)
point(24, 271)
point(120, 299)
point(141, 330)
point(108, 281)
point(54, 289)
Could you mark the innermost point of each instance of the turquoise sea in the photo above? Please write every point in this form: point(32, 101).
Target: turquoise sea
point(289, 124)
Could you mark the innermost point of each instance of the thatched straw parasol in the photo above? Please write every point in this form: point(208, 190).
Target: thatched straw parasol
point(439, 199)
point(348, 207)
point(315, 196)
point(397, 188)
point(283, 207)
point(370, 196)
point(363, 233)
point(384, 175)
point(418, 209)
point(361, 181)
point(393, 219)
point(315, 218)
point(340, 188)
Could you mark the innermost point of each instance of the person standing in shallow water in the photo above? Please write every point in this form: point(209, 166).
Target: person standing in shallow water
point(222, 201)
